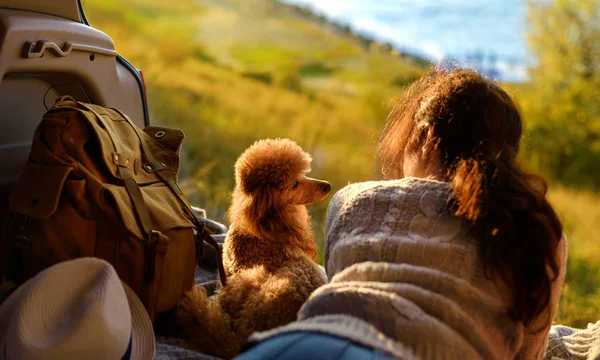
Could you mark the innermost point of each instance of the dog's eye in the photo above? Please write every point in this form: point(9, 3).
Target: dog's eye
point(295, 184)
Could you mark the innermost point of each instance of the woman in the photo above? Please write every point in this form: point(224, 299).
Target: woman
point(457, 255)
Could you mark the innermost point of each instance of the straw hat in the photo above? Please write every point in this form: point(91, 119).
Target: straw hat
point(78, 309)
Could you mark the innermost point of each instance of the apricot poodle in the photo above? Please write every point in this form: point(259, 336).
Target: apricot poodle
point(268, 254)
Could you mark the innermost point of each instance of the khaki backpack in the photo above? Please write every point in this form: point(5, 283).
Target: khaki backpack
point(97, 185)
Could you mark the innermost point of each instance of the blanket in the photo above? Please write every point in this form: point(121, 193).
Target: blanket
point(565, 343)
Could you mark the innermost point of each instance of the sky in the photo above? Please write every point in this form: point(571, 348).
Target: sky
point(475, 31)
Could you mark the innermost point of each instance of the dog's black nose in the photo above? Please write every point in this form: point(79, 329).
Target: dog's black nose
point(326, 187)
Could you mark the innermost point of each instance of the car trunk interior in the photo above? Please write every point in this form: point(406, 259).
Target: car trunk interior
point(46, 51)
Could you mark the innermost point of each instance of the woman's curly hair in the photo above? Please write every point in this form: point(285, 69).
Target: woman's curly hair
point(477, 129)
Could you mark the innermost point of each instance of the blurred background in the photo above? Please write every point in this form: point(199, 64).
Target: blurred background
point(323, 73)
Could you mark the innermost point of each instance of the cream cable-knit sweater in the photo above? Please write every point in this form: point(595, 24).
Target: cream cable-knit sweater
point(406, 279)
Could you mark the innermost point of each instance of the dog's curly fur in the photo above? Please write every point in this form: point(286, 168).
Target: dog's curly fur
point(268, 254)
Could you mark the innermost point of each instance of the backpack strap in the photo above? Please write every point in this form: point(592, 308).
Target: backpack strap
point(133, 189)
point(157, 243)
point(202, 233)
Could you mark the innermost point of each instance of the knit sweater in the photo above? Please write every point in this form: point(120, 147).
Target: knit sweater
point(406, 278)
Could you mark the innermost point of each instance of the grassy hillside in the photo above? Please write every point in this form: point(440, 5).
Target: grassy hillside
point(228, 72)
point(580, 214)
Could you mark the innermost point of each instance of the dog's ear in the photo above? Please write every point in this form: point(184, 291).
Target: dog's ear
point(265, 210)
point(268, 217)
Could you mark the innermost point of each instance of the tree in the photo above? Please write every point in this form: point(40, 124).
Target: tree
point(562, 101)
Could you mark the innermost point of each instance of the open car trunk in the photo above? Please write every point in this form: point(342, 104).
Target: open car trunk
point(48, 50)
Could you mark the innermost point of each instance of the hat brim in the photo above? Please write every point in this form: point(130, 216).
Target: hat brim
point(6, 308)
point(142, 333)
point(142, 342)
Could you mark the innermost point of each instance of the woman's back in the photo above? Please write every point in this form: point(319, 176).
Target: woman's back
point(422, 282)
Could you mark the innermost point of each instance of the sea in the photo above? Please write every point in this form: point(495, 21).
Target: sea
point(488, 35)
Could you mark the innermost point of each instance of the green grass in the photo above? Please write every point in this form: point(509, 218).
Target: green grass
point(316, 68)
point(229, 72)
point(580, 214)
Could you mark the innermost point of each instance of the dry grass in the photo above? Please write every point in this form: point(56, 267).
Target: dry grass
point(580, 212)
